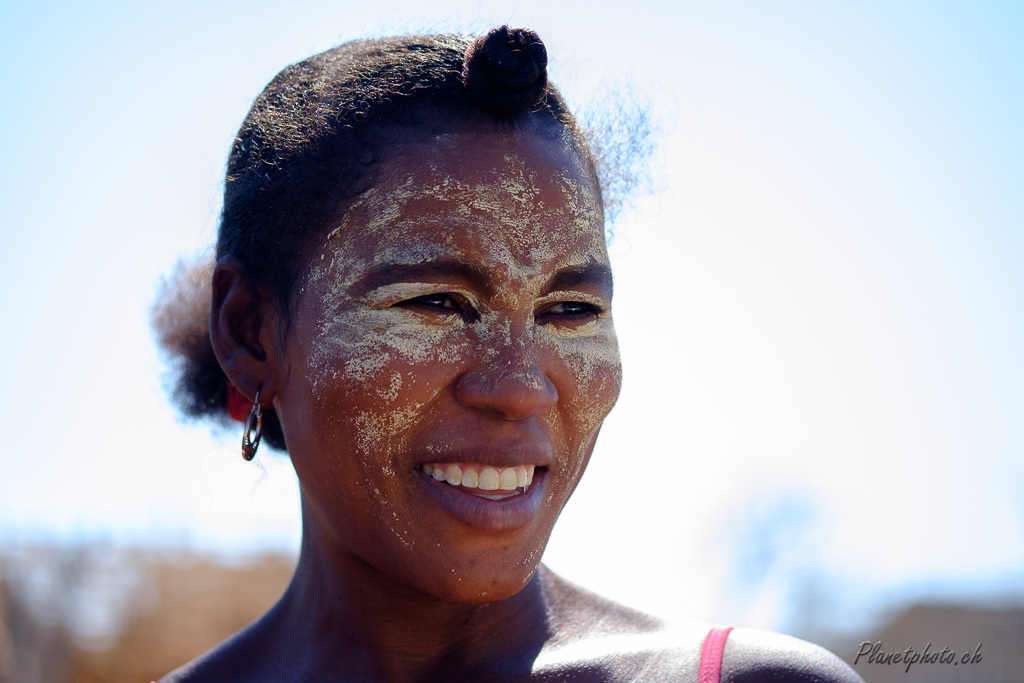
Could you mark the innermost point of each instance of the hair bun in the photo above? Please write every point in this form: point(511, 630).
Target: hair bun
point(507, 70)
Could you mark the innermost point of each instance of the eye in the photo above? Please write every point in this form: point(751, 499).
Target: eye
point(443, 303)
point(434, 301)
point(570, 313)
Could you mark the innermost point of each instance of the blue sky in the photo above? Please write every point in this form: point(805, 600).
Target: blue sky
point(821, 306)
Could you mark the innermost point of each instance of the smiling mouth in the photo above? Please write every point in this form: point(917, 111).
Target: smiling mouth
point(504, 482)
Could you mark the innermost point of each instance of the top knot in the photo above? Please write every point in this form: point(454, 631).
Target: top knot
point(507, 70)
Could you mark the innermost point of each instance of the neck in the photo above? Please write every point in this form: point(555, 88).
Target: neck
point(346, 617)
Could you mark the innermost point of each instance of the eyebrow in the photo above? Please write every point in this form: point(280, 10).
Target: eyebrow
point(445, 269)
point(595, 274)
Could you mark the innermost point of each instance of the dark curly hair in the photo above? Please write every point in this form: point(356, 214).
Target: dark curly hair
point(308, 146)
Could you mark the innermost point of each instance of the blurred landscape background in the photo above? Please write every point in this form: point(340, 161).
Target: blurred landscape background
point(819, 301)
point(101, 614)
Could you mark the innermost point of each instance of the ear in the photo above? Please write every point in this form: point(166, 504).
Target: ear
point(244, 329)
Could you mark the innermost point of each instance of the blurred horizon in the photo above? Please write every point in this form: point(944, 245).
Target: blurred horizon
point(820, 303)
point(101, 615)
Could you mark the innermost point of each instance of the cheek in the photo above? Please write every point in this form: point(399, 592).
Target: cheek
point(373, 375)
point(591, 376)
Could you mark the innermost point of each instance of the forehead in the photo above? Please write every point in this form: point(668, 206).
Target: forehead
point(513, 201)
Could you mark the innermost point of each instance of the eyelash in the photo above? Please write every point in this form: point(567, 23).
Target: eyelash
point(580, 310)
point(435, 301)
point(443, 301)
point(453, 303)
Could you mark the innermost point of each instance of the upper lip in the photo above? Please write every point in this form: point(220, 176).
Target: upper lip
point(495, 455)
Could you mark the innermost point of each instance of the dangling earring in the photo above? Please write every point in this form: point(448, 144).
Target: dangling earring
point(251, 442)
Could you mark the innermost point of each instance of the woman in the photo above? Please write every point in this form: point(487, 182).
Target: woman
point(412, 296)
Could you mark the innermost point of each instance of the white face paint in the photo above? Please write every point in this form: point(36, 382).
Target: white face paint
point(460, 311)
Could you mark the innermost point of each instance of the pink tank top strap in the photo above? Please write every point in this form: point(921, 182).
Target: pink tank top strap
point(711, 655)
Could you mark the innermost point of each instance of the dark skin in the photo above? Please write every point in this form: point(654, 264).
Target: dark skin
point(459, 315)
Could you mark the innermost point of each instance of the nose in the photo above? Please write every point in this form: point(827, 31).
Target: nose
point(511, 385)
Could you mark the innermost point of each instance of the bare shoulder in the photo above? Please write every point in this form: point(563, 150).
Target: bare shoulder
point(216, 665)
point(593, 638)
point(577, 613)
point(597, 639)
point(752, 655)
point(230, 661)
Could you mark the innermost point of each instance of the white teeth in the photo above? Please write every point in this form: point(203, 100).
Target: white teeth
point(489, 479)
point(486, 478)
point(507, 479)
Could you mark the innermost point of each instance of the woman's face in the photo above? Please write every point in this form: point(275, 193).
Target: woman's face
point(453, 341)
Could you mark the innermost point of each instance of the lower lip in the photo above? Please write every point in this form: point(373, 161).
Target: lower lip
point(482, 513)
